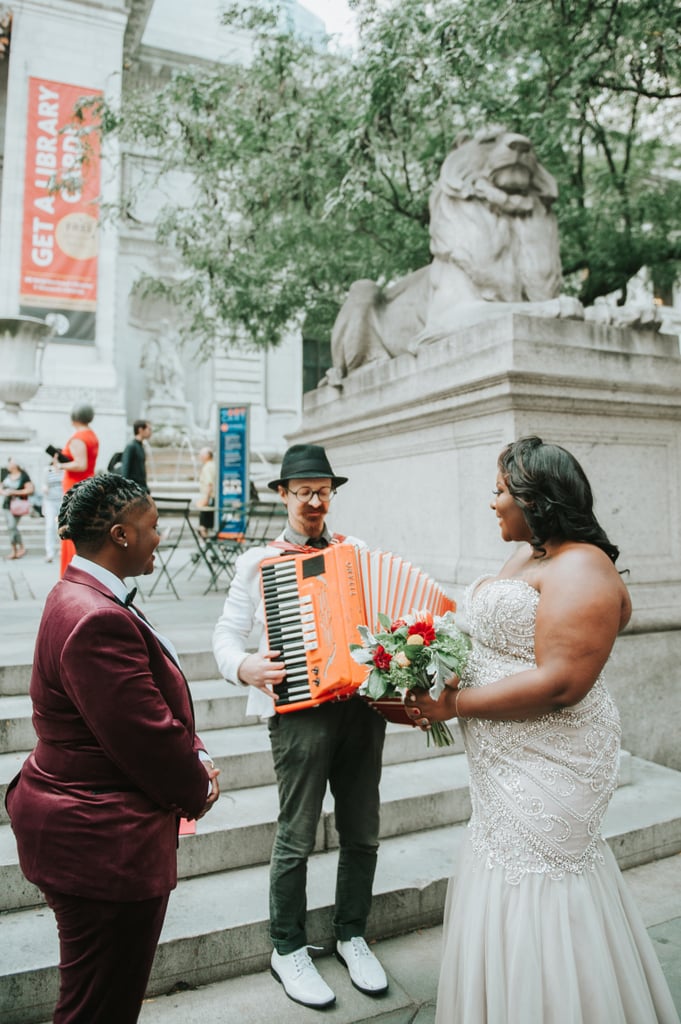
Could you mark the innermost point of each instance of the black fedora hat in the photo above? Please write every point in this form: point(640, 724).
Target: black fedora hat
point(306, 462)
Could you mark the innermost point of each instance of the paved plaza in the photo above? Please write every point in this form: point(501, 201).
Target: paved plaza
point(24, 585)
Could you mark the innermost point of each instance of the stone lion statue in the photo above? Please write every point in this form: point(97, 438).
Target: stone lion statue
point(494, 240)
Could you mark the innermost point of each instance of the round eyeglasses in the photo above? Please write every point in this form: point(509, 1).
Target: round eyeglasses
point(305, 494)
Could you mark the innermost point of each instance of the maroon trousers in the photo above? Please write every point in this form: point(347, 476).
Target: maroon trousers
point(105, 955)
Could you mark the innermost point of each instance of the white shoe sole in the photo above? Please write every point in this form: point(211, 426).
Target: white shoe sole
point(311, 1006)
point(365, 991)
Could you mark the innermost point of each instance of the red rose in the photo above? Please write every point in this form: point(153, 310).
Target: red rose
point(397, 624)
point(423, 629)
point(381, 658)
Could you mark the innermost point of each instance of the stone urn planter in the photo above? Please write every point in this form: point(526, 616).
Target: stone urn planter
point(22, 343)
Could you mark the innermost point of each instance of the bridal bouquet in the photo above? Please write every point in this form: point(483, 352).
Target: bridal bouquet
point(417, 652)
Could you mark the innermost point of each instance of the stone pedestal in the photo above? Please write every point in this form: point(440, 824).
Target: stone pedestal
point(419, 436)
point(171, 421)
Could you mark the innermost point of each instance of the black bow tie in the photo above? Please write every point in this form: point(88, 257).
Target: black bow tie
point(317, 542)
point(129, 598)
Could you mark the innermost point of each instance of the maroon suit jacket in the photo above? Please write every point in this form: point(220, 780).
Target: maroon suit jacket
point(95, 806)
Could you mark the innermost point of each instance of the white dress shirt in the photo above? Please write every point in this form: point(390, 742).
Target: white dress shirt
point(118, 588)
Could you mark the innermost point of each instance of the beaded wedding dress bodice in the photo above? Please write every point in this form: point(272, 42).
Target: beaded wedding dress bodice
point(539, 787)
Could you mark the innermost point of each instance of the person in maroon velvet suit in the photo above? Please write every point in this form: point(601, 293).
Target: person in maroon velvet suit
point(95, 808)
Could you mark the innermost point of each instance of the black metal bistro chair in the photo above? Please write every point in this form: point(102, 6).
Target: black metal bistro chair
point(177, 532)
point(263, 521)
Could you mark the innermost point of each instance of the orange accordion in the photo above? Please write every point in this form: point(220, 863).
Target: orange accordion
point(315, 602)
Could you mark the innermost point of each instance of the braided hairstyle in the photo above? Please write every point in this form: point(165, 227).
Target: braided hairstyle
point(554, 494)
point(92, 506)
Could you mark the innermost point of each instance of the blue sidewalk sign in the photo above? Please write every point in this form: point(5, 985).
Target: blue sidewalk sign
point(232, 469)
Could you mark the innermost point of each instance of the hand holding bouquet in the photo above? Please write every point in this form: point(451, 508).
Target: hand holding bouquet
point(417, 652)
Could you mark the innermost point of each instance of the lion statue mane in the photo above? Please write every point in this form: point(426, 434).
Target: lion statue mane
point(494, 243)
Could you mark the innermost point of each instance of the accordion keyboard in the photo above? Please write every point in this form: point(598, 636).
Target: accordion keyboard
point(313, 604)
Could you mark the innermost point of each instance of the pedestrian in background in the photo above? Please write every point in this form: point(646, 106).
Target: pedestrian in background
point(15, 490)
point(206, 498)
point(134, 461)
point(81, 450)
point(52, 492)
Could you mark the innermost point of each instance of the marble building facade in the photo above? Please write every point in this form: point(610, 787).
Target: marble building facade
point(94, 44)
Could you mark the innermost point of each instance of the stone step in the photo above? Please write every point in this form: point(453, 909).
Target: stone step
point(240, 746)
point(216, 705)
point(14, 680)
point(216, 926)
point(239, 831)
point(197, 664)
point(16, 728)
point(32, 526)
point(412, 963)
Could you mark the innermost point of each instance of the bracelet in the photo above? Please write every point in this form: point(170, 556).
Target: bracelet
point(463, 718)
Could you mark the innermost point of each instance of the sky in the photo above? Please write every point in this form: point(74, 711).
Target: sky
point(336, 15)
point(168, 29)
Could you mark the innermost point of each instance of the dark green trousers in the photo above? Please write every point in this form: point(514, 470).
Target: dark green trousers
point(340, 743)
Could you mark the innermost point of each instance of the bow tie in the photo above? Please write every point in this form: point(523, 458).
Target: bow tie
point(129, 598)
point(317, 542)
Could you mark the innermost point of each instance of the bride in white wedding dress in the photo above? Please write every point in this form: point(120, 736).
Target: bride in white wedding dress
point(539, 926)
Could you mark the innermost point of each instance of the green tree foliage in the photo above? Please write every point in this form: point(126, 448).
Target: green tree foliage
point(310, 170)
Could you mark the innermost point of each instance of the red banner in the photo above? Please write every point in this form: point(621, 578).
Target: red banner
point(61, 229)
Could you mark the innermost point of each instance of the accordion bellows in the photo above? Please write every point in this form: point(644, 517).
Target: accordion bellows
point(315, 602)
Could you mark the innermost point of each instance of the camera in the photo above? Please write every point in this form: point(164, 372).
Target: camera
point(51, 450)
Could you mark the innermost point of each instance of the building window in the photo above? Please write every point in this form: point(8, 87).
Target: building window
point(316, 361)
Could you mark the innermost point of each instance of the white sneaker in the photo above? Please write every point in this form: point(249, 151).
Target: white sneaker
point(366, 972)
point(301, 980)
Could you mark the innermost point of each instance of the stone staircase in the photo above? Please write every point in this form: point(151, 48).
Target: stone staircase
point(217, 922)
point(173, 464)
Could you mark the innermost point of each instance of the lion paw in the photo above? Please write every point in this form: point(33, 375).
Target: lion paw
point(643, 318)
